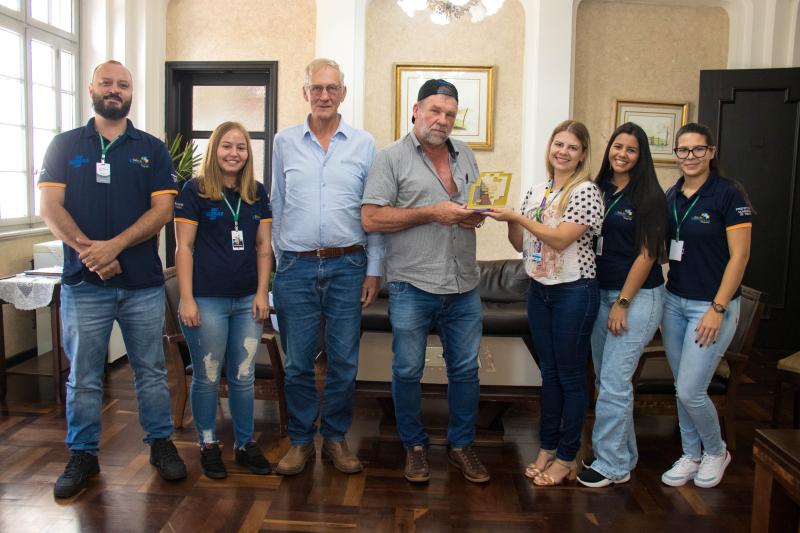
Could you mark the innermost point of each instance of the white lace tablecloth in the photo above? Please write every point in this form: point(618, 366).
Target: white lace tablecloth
point(28, 292)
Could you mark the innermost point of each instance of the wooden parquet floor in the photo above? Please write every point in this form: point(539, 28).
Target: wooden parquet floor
point(128, 495)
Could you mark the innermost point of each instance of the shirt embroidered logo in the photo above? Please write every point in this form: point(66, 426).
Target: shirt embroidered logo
point(704, 218)
point(144, 161)
point(78, 161)
point(214, 213)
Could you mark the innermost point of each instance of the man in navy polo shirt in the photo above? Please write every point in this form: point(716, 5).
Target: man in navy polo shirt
point(107, 189)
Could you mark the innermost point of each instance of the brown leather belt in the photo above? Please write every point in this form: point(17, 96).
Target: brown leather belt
point(330, 253)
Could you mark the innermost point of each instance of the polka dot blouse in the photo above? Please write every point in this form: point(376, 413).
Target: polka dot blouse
point(577, 260)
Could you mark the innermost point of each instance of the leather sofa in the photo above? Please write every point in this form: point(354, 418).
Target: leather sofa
point(503, 288)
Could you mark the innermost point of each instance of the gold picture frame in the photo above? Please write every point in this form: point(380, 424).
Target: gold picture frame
point(660, 122)
point(475, 94)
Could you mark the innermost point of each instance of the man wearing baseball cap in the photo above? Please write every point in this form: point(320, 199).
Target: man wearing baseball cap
point(416, 195)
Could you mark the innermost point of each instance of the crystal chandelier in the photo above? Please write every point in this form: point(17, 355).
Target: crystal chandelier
point(444, 10)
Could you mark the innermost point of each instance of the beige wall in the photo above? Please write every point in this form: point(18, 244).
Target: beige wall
point(249, 30)
point(394, 37)
point(16, 258)
point(643, 53)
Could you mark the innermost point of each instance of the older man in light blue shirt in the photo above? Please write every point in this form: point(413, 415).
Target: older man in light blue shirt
point(327, 265)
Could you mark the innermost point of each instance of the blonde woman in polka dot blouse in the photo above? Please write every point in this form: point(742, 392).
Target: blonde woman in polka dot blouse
point(554, 231)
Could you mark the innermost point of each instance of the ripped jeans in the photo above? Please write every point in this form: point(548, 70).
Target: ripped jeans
point(224, 345)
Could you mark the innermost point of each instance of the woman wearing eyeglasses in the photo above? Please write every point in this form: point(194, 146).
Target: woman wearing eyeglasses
point(554, 231)
point(710, 219)
point(631, 296)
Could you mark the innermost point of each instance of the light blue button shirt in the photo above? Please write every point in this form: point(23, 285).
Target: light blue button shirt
point(316, 196)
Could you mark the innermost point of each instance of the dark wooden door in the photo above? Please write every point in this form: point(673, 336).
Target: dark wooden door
point(755, 116)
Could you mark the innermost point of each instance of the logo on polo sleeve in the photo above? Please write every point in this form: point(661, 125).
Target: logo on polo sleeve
point(78, 161)
point(144, 161)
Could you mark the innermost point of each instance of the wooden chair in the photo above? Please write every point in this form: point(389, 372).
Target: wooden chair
point(788, 373)
point(268, 367)
point(655, 387)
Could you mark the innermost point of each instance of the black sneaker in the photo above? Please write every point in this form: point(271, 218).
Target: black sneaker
point(594, 479)
point(587, 462)
point(250, 456)
point(211, 462)
point(82, 465)
point(164, 455)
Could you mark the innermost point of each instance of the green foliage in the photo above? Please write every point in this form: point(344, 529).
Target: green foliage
point(186, 161)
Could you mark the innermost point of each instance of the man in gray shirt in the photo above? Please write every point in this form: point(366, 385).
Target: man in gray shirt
point(416, 195)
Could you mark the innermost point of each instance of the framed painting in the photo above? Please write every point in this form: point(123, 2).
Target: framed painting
point(473, 123)
point(660, 122)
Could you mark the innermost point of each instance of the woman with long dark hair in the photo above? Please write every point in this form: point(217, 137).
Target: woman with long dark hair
point(223, 224)
point(710, 220)
point(631, 296)
point(554, 230)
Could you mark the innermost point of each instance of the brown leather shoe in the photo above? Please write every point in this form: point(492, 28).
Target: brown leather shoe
point(294, 461)
point(469, 464)
point(343, 459)
point(417, 465)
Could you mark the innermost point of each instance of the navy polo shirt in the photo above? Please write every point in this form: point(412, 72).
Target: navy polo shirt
point(719, 209)
point(219, 270)
point(619, 243)
point(141, 168)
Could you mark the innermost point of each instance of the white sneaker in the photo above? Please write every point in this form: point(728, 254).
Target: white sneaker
point(711, 469)
point(682, 471)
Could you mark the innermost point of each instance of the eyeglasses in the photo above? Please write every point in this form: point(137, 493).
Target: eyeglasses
point(316, 90)
point(698, 151)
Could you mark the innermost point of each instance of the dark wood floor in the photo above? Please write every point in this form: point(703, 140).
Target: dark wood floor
point(128, 495)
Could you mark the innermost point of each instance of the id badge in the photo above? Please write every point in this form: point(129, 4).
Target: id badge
point(536, 252)
point(103, 172)
point(675, 250)
point(600, 245)
point(237, 238)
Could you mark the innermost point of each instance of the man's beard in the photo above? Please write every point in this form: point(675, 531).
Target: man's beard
point(110, 112)
point(433, 137)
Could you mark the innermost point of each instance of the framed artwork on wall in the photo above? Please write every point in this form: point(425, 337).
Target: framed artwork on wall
point(473, 123)
point(660, 121)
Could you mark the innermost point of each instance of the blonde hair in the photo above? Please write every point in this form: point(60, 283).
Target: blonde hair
point(210, 180)
point(317, 64)
point(582, 172)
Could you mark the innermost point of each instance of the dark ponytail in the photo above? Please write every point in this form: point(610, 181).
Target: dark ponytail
point(702, 129)
point(645, 194)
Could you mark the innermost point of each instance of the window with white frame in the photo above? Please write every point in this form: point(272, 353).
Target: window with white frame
point(38, 83)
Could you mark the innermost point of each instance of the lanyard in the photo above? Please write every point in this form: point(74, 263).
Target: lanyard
point(105, 148)
point(612, 205)
point(236, 214)
point(544, 203)
point(675, 211)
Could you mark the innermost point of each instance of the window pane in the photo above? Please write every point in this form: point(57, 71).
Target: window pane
point(12, 149)
point(12, 4)
point(67, 71)
point(258, 158)
point(42, 61)
point(14, 200)
point(67, 111)
point(41, 140)
point(44, 107)
point(11, 98)
point(201, 144)
point(213, 105)
point(39, 10)
point(11, 58)
point(64, 19)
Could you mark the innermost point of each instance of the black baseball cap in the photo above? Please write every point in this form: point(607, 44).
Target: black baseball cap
point(431, 87)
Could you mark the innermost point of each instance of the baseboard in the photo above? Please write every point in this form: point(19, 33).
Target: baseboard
point(21, 357)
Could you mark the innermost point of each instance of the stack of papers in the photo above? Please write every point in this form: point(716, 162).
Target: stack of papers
point(51, 272)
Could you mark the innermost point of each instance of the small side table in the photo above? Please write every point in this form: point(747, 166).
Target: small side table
point(776, 491)
point(52, 365)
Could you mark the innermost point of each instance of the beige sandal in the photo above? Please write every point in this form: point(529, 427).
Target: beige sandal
point(532, 470)
point(546, 480)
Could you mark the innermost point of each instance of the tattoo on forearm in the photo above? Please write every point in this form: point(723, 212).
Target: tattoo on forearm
point(264, 255)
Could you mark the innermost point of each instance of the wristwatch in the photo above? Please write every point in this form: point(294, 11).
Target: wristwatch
point(717, 307)
point(623, 302)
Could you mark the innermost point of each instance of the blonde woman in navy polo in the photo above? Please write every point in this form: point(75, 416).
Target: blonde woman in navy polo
point(710, 218)
point(223, 224)
point(631, 296)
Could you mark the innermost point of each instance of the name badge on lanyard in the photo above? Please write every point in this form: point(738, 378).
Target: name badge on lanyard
point(237, 238)
point(103, 173)
point(676, 245)
point(600, 238)
point(675, 250)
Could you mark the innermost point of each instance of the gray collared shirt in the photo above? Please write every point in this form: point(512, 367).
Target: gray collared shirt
point(432, 257)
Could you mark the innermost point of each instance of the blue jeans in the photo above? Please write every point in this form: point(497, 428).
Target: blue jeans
point(228, 335)
point(693, 368)
point(561, 319)
point(459, 324)
point(615, 360)
point(306, 289)
point(88, 313)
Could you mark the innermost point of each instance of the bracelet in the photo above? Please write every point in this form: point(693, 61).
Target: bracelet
point(717, 307)
point(481, 223)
